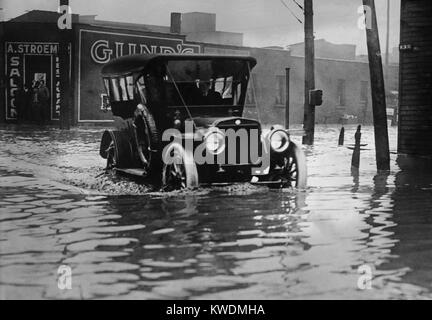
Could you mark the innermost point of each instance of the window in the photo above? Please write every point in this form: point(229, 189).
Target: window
point(280, 90)
point(227, 90)
point(107, 86)
point(115, 89)
point(364, 85)
point(341, 84)
point(130, 86)
point(120, 89)
point(251, 91)
point(142, 89)
point(123, 89)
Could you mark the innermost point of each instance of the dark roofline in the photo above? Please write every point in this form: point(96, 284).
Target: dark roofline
point(323, 40)
point(138, 63)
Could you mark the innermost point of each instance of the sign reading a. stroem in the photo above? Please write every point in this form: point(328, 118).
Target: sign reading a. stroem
point(99, 47)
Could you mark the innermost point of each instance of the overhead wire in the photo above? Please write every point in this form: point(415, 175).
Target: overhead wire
point(299, 5)
point(291, 11)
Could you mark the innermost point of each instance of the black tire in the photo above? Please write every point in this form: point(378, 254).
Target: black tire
point(293, 168)
point(119, 151)
point(147, 140)
point(180, 174)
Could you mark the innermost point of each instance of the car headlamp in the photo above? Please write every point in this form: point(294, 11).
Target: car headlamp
point(215, 141)
point(279, 141)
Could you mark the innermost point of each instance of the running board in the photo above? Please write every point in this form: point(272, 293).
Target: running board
point(266, 183)
point(134, 172)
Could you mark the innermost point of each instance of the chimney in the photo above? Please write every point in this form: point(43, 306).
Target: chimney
point(175, 22)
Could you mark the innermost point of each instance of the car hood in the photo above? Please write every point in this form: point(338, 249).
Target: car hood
point(207, 122)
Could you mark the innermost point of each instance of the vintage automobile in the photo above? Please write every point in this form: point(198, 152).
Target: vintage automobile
point(179, 123)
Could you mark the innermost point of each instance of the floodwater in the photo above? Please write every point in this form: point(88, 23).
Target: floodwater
point(234, 242)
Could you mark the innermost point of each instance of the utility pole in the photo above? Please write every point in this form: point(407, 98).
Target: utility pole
point(378, 89)
point(309, 109)
point(287, 100)
point(387, 44)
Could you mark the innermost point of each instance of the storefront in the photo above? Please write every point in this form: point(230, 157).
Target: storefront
point(30, 57)
point(29, 63)
point(97, 47)
point(32, 51)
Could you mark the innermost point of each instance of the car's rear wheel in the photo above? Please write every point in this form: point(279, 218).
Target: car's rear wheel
point(118, 151)
point(112, 156)
point(146, 139)
point(179, 169)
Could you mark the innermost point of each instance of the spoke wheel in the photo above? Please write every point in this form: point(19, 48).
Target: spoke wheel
point(116, 148)
point(142, 141)
point(289, 171)
point(112, 156)
point(176, 176)
point(179, 169)
point(147, 140)
point(293, 170)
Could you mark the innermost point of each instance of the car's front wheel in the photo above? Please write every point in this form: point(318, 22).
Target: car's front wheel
point(291, 169)
point(179, 169)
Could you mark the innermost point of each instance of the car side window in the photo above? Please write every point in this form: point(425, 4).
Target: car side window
point(115, 89)
point(140, 85)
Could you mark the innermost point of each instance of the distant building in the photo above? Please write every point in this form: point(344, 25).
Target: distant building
point(326, 50)
point(30, 49)
point(201, 27)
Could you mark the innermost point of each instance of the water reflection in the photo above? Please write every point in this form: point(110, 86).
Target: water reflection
point(412, 208)
point(230, 242)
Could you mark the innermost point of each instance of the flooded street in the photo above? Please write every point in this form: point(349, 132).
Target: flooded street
point(233, 242)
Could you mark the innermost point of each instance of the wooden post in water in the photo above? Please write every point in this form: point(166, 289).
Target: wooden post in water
point(341, 137)
point(287, 100)
point(378, 88)
point(355, 161)
point(309, 110)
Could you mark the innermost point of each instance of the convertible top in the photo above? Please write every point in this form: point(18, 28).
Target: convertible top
point(138, 62)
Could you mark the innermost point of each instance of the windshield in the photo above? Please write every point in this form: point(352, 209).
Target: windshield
point(205, 82)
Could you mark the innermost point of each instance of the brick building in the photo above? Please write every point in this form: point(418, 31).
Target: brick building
point(415, 127)
point(30, 49)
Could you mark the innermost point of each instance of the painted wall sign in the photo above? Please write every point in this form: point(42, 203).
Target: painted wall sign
point(14, 72)
point(97, 48)
point(32, 48)
point(102, 51)
point(23, 62)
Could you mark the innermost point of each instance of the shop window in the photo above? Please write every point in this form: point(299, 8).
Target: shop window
point(364, 85)
point(341, 94)
point(280, 90)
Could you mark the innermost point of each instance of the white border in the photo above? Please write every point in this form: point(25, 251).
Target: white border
point(117, 34)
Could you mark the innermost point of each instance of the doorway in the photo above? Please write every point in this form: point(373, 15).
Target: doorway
point(38, 79)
